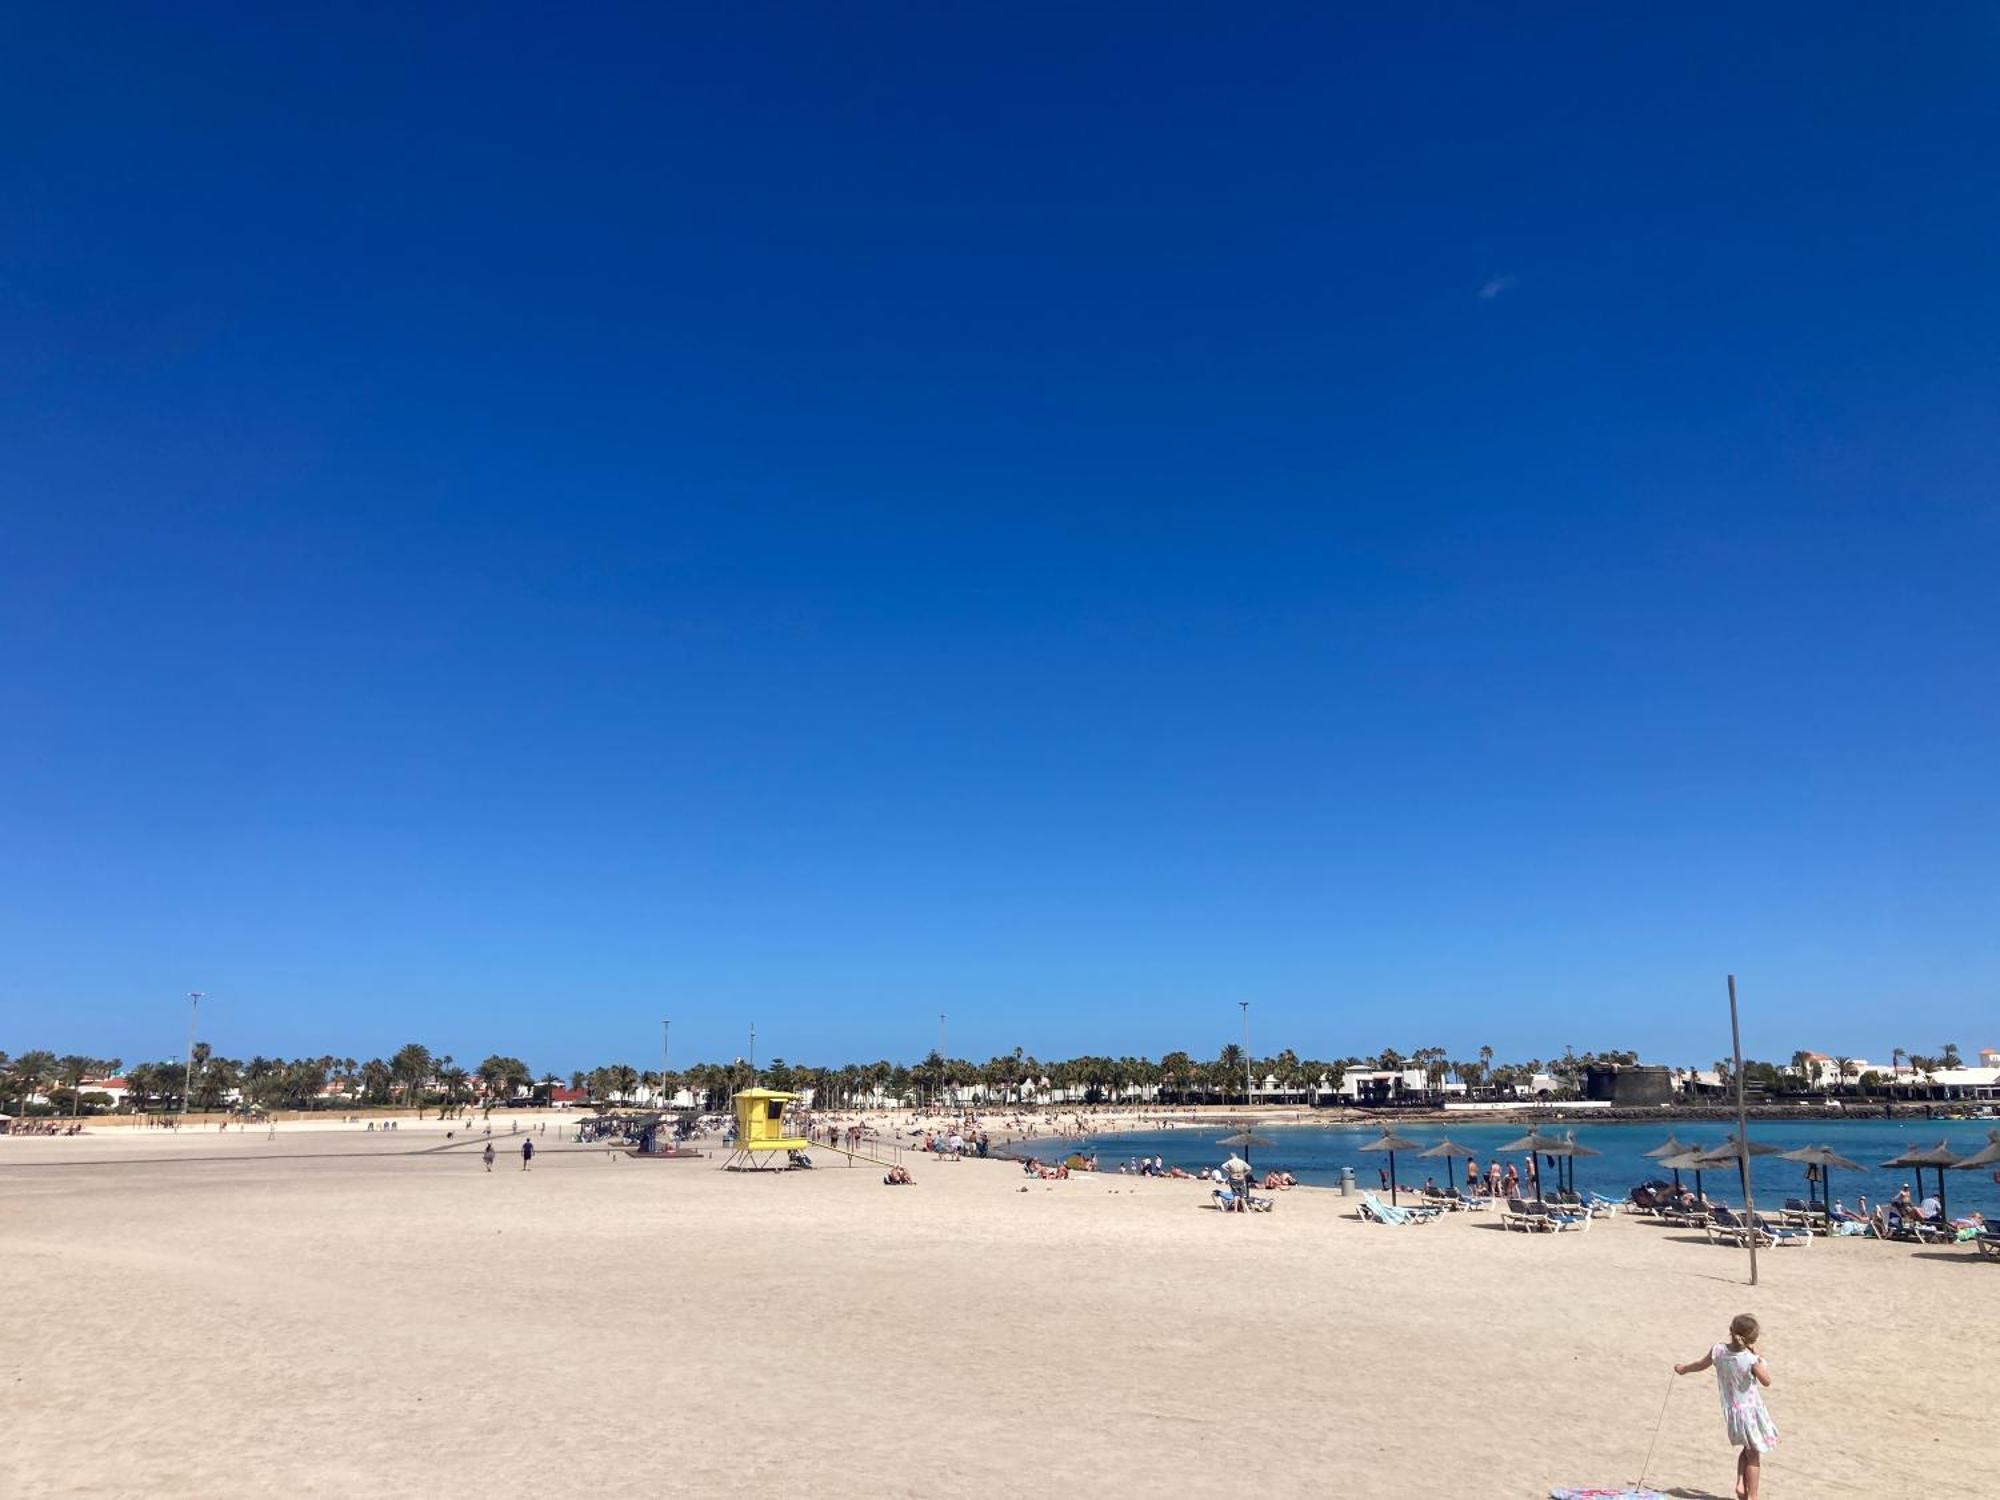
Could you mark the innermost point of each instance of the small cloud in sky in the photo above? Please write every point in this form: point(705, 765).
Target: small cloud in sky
point(1493, 286)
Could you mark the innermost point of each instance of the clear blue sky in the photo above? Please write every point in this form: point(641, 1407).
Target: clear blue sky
point(1454, 527)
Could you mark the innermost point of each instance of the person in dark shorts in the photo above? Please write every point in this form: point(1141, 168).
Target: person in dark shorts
point(527, 1151)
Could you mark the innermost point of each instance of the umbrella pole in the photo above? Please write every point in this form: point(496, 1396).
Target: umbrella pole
point(1392, 1179)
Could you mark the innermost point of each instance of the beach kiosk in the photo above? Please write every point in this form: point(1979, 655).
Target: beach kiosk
point(763, 1140)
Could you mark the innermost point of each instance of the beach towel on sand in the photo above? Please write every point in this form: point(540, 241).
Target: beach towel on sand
point(1589, 1492)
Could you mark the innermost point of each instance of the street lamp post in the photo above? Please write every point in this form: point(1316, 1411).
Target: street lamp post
point(194, 1015)
point(663, 1062)
point(941, 1067)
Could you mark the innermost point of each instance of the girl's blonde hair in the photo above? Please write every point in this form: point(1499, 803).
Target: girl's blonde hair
point(1743, 1330)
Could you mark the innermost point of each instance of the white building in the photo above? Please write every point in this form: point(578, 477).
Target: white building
point(1379, 1084)
point(1981, 1084)
point(115, 1087)
point(1821, 1073)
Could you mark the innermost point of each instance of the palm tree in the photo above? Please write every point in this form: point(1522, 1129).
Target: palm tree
point(1146, 1073)
point(1842, 1066)
point(1229, 1070)
point(72, 1070)
point(1176, 1071)
point(412, 1065)
point(1432, 1061)
point(216, 1077)
point(1951, 1059)
point(32, 1072)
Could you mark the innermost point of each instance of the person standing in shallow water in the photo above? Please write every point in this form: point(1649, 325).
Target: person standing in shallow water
point(527, 1151)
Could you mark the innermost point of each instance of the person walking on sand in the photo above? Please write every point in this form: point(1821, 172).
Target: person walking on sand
point(527, 1151)
point(488, 1156)
point(1739, 1371)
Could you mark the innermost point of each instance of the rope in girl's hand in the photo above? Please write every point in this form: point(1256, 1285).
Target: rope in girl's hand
point(1658, 1426)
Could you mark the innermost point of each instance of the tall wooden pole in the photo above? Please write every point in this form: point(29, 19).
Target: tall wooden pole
point(1743, 1132)
point(1246, 1053)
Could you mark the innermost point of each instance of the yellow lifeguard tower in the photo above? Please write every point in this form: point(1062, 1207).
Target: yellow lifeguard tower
point(761, 1131)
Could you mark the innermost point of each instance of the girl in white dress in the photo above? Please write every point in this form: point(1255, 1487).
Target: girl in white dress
point(1739, 1371)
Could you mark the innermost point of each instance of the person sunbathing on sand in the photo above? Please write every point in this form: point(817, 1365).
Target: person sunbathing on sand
point(899, 1177)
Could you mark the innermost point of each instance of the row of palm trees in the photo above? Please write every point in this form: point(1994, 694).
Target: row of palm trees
point(41, 1073)
point(413, 1076)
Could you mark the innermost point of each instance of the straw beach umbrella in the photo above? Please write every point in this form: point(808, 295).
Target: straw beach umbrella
point(1671, 1146)
point(1391, 1144)
point(1732, 1148)
point(1243, 1140)
point(1737, 1153)
point(1538, 1144)
point(1939, 1157)
point(1690, 1160)
point(1826, 1159)
point(1576, 1150)
point(1986, 1156)
point(1449, 1149)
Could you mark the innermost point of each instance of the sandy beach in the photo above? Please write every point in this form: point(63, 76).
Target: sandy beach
point(331, 1311)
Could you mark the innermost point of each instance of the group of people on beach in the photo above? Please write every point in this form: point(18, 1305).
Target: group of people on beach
point(833, 1133)
point(40, 1127)
point(527, 1153)
point(1504, 1182)
point(1888, 1219)
point(955, 1145)
point(1056, 1171)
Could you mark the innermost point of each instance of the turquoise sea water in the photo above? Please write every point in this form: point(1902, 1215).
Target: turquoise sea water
point(1315, 1154)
